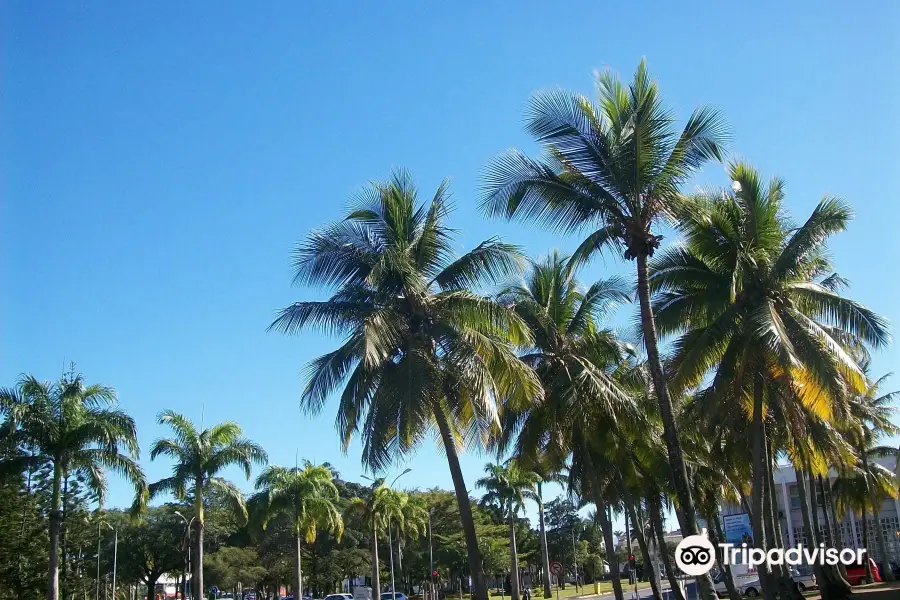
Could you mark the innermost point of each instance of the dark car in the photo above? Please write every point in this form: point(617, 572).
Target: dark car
point(856, 574)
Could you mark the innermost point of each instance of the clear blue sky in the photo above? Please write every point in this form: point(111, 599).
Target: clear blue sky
point(160, 162)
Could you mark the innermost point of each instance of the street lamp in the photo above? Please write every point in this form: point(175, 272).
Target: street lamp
point(187, 564)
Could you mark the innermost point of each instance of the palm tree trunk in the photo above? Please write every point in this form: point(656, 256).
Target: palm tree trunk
point(656, 523)
point(299, 582)
point(376, 570)
point(545, 555)
point(808, 526)
point(780, 574)
point(513, 559)
point(199, 589)
point(838, 587)
point(870, 575)
point(476, 568)
point(886, 572)
point(758, 516)
point(606, 527)
point(686, 511)
point(55, 522)
point(649, 567)
point(717, 536)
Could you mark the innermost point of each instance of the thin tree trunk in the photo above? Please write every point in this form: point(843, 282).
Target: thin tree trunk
point(645, 551)
point(376, 570)
point(758, 516)
point(513, 559)
point(545, 556)
point(606, 526)
point(787, 590)
point(199, 589)
point(808, 526)
point(476, 568)
point(64, 539)
point(717, 536)
point(686, 511)
point(55, 522)
point(299, 581)
point(656, 523)
point(870, 575)
point(838, 586)
point(886, 572)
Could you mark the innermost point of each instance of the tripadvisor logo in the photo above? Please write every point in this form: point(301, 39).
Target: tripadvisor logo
point(695, 555)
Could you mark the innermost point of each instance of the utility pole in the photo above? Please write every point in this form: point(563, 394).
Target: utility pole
point(115, 561)
point(430, 557)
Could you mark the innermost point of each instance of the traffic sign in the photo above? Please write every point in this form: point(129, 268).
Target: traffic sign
point(434, 573)
point(556, 568)
point(214, 591)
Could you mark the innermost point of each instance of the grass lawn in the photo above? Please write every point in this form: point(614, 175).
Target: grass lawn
point(569, 592)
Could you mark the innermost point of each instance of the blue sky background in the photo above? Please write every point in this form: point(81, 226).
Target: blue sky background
point(160, 162)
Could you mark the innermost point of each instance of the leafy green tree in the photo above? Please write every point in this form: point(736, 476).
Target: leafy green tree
point(308, 496)
point(615, 167)
point(199, 457)
point(79, 431)
point(149, 548)
point(422, 351)
point(233, 568)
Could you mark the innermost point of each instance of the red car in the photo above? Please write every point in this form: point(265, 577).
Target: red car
point(856, 574)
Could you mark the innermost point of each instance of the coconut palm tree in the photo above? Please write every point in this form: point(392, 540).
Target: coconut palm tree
point(614, 167)
point(422, 353)
point(376, 509)
point(546, 472)
point(308, 496)
point(78, 430)
point(872, 411)
point(199, 457)
point(506, 488)
point(576, 361)
point(752, 298)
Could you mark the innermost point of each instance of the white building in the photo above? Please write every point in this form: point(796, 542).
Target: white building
point(850, 530)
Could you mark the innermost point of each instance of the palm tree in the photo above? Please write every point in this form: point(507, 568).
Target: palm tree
point(308, 496)
point(414, 525)
point(615, 167)
point(506, 488)
point(422, 352)
point(79, 431)
point(372, 509)
point(752, 297)
point(199, 457)
point(575, 360)
point(541, 466)
point(872, 411)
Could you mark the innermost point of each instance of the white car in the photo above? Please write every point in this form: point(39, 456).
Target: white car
point(804, 580)
point(742, 581)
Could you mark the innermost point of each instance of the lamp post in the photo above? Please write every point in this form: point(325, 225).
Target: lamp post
point(115, 560)
point(187, 563)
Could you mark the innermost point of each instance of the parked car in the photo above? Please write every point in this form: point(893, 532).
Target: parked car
point(741, 576)
point(338, 597)
point(804, 579)
point(856, 574)
point(393, 596)
point(751, 589)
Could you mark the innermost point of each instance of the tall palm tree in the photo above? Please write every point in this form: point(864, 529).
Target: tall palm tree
point(308, 496)
point(576, 360)
point(541, 466)
point(422, 353)
point(199, 457)
point(872, 411)
point(506, 488)
point(79, 431)
point(752, 298)
point(615, 167)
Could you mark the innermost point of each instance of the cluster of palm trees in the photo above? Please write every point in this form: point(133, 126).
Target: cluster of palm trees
point(766, 355)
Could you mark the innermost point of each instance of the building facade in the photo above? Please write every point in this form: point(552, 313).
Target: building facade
point(849, 526)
